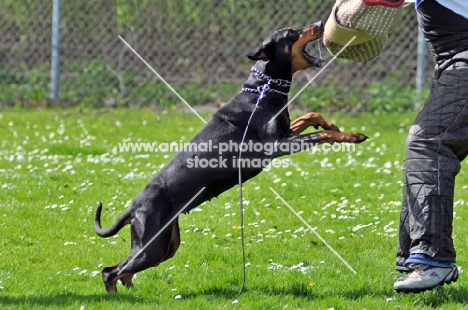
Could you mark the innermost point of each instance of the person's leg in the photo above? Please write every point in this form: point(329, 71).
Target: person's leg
point(404, 239)
point(437, 142)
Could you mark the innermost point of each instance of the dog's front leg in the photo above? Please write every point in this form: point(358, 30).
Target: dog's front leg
point(311, 119)
point(294, 144)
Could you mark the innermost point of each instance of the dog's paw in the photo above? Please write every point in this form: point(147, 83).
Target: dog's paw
point(356, 137)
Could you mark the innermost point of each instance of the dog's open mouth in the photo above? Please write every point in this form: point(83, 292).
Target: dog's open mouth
point(311, 48)
point(303, 55)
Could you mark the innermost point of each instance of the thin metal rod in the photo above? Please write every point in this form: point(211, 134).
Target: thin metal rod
point(55, 58)
point(421, 62)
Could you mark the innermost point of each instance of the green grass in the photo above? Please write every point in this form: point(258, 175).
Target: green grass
point(55, 165)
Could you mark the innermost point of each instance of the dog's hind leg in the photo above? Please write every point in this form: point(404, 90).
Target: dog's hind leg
point(175, 240)
point(145, 253)
point(127, 280)
point(110, 277)
point(125, 270)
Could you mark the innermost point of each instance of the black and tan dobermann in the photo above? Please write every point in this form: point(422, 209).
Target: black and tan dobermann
point(176, 184)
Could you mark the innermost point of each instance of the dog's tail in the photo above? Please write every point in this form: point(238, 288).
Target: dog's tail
point(123, 220)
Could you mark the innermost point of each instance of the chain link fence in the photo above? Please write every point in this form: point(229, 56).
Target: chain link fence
point(197, 46)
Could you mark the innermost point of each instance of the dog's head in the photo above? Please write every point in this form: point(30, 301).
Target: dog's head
point(287, 47)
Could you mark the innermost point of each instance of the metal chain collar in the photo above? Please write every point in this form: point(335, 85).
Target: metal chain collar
point(258, 90)
point(263, 76)
point(265, 88)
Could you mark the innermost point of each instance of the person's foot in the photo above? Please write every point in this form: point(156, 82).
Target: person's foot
point(425, 278)
point(402, 268)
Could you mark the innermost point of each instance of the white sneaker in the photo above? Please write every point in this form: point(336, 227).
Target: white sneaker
point(425, 278)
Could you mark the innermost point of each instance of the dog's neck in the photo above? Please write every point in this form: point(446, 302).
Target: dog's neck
point(261, 75)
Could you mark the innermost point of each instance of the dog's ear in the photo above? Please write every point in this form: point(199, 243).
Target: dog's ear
point(263, 53)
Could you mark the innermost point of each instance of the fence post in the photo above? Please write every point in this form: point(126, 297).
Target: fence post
point(55, 58)
point(421, 62)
